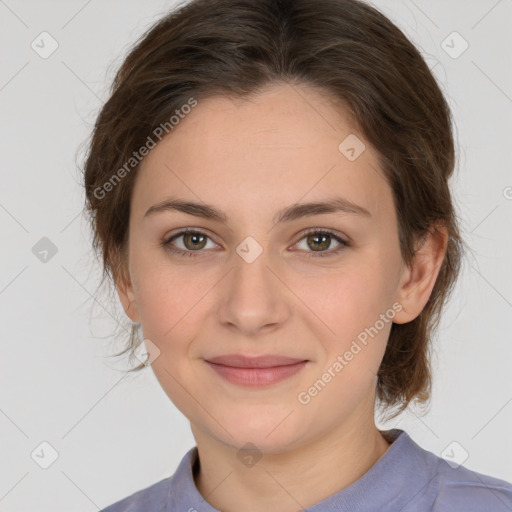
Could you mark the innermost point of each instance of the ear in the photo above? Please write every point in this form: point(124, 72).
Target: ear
point(419, 279)
point(124, 287)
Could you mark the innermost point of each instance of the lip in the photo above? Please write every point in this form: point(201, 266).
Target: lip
point(255, 371)
point(264, 361)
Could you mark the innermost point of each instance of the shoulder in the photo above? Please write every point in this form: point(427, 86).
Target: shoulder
point(152, 498)
point(463, 489)
point(171, 493)
point(455, 488)
point(426, 481)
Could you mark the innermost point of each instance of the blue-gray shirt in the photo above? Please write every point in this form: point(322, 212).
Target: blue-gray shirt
point(406, 478)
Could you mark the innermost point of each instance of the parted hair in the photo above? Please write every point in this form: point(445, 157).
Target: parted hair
point(344, 47)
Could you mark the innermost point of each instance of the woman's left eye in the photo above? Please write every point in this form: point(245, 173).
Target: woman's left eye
point(322, 239)
point(194, 241)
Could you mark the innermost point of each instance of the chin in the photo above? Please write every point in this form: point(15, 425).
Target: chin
point(268, 436)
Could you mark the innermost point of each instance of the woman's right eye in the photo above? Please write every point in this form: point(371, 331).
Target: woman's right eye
point(191, 242)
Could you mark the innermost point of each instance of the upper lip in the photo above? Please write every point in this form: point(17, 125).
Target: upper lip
point(265, 361)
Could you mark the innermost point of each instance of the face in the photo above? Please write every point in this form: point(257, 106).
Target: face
point(306, 285)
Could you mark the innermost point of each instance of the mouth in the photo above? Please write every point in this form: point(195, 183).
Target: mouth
point(255, 371)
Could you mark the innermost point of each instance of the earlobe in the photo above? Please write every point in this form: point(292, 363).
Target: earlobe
point(127, 298)
point(125, 291)
point(419, 279)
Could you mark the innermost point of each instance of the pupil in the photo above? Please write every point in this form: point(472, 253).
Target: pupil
point(318, 240)
point(195, 239)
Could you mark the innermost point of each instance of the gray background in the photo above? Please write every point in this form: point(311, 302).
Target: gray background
point(116, 434)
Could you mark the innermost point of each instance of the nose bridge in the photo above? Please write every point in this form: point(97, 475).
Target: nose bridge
point(253, 297)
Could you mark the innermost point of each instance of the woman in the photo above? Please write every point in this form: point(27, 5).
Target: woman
point(268, 187)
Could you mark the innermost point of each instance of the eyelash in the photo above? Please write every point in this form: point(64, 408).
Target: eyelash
point(320, 254)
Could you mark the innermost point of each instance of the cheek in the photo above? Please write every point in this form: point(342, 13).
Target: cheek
point(166, 293)
point(349, 298)
point(354, 305)
point(167, 316)
point(173, 303)
point(169, 320)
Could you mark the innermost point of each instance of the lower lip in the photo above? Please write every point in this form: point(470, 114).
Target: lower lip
point(257, 376)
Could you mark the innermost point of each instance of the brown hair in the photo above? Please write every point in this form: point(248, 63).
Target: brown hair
point(344, 47)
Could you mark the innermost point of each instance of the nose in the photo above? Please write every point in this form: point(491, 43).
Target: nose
point(253, 298)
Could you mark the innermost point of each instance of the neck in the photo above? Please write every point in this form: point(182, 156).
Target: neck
point(288, 480)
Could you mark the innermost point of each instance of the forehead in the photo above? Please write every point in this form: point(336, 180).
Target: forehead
point(274, 148)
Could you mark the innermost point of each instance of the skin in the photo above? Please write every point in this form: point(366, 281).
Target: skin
point(251, 159)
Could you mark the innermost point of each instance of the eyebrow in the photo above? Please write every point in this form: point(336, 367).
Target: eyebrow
point(288, 214)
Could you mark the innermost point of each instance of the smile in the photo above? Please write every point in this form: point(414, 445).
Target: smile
point(254, 377)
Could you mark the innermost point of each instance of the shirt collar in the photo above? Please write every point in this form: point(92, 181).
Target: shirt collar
point(394, 480)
